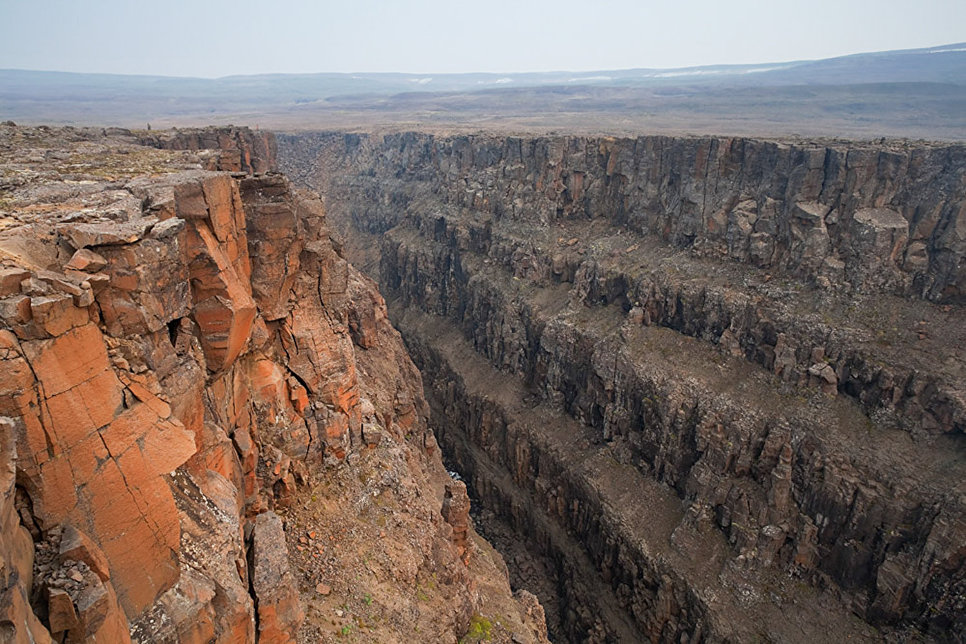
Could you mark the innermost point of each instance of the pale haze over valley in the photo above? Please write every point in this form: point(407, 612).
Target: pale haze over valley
point(829, 68)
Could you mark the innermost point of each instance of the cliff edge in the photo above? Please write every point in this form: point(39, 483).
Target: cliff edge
point(209, 431)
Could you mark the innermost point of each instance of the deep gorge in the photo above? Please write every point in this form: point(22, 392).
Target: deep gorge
point(715, 386)
point(696, 389)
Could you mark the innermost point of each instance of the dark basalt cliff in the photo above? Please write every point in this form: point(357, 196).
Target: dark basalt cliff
point(701, 388)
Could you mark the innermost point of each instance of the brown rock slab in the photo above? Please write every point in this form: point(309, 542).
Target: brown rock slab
point(61, 613)
point(10, 279)
point(456, 512)
point(56, 313)
point(279, 611)
point(220, 273)
point(86, 260)
point(108, 233)
point(16, 309)
point(100, 618)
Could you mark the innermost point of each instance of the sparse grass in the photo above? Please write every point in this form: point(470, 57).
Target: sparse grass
point(116, 166)
point(481, 629)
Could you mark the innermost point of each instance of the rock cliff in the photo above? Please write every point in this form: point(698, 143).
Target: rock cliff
point(209, 431)
point(703, 389)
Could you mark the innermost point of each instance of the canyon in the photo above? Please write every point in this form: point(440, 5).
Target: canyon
point(700, 389)
point(209, 431)
point(662, 388)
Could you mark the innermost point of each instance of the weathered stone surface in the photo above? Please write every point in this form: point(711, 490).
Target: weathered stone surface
point(456, 512)
point(241, 149)
point(77, 546)
point(10, 279)
point(771, 204)
point(17, 621)
point(110, 453)
point(211, 598)
point(62, 615)
point(99, 618)
point(278, 236)
point(220, 274)
point(107, 233)
point(147, 284)
point(86, 260)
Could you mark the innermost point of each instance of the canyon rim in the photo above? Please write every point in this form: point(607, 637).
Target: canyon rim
point(457, 382)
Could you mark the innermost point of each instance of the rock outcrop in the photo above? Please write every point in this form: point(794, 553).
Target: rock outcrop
point(192, 378)
point(702, 388)
point(239, 149)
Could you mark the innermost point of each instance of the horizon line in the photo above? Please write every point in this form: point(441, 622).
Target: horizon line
point(930, 49)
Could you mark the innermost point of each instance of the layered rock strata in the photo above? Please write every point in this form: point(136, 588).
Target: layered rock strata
point(195, 387)
point(716, 384)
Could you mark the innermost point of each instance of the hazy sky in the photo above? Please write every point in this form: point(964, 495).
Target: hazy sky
point(222, 37)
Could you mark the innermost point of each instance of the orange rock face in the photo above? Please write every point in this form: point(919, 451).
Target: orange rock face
point(119, 439)
point(87, 456)
point(175, 358)
point(219, 269)
point(104, 355)
point(16, 550)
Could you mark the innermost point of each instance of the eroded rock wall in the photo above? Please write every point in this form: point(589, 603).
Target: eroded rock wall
point(747, 325)
point(239, 149)
point(147, 361)
point(853, 216)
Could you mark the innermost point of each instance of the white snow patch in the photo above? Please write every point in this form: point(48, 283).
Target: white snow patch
point(715, 72)
point(756, 70)
point(697, 72)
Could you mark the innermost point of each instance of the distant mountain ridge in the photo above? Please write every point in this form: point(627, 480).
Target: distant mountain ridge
point(296, 100)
